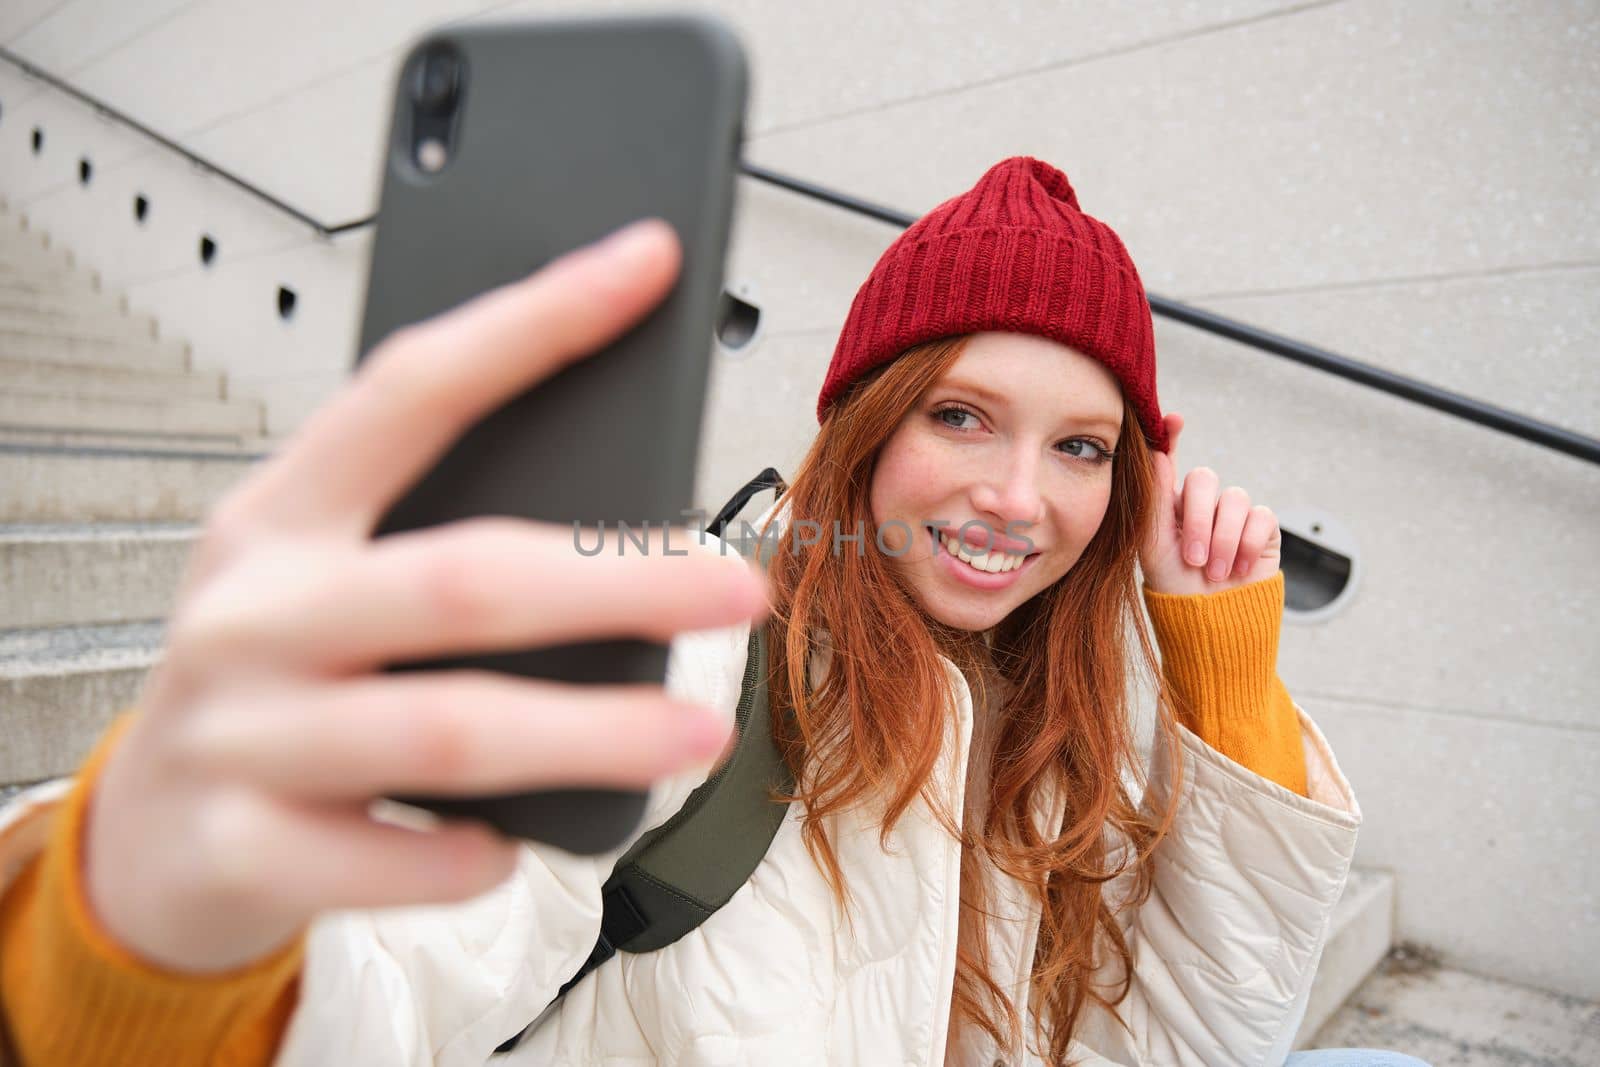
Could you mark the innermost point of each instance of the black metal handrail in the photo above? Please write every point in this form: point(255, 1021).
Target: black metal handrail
point(1412, 389)
point(322, 229)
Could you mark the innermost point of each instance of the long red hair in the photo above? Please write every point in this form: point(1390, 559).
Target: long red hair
point(881, 720)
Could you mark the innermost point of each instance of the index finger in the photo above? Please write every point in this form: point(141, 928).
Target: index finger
point(427, 384)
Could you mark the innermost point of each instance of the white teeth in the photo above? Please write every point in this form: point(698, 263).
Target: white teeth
point(990, 562)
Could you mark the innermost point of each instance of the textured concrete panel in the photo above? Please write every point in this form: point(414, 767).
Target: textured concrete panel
point(74, 35)
point(761, 412)
point(859, 57)
point(1488, 826)
point(1350, 142)
point(329, 138)
point(1523, 340)
point(248, 54)
point(17, 16)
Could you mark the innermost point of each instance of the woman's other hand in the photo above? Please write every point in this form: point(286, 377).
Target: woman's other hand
point(1203, 541)
point(235, 807)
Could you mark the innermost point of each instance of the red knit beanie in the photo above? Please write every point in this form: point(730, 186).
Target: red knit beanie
point(1012, 253)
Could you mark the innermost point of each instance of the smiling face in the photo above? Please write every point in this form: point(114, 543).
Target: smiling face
point(1012, 443)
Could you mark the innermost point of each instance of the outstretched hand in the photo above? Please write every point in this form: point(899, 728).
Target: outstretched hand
point(1199, 541)
point(237, 805)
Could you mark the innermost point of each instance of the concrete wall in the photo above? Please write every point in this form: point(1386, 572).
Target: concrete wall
point(1413, 185)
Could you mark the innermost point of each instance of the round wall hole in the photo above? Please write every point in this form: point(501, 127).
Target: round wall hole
point(38, 140)
point(286, 302)
point(85, 171)
point(141, 207)
point(1321, 565)
point(208, 249)
point(738, 321)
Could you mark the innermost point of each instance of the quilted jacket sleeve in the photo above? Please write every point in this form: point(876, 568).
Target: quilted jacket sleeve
point(1226, 945)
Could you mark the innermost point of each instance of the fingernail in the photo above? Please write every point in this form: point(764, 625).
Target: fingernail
point(1197, 552)
point(631, 241)
point(1214, 572)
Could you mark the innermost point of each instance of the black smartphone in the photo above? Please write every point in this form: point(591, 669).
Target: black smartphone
point(510, 144)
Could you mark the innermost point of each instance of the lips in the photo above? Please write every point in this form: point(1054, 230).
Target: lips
point(963, 573)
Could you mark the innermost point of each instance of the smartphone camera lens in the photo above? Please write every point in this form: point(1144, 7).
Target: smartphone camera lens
point(437, 81)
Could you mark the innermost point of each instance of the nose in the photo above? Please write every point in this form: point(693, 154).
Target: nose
point(1011, 495)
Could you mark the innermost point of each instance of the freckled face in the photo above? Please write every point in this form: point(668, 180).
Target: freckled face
point(1016, 432)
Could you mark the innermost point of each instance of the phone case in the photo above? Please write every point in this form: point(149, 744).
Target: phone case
point(565, 130)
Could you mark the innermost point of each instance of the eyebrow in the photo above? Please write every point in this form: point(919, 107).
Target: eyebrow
point(1095, 421)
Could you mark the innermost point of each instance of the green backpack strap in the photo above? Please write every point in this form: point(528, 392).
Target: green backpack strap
point(676, 875)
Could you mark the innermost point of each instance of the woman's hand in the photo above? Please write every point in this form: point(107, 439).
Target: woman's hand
point(235, 807)
point(1224, 542)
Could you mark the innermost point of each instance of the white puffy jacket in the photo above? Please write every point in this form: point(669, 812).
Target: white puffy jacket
point(1224, 949)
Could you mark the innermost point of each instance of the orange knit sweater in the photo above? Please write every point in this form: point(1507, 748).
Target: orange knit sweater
point(70, 994)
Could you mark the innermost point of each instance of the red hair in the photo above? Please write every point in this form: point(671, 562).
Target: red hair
point(1066, 654)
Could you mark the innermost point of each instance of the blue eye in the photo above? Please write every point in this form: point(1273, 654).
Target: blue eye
point(942, 412)
point(1096, 453)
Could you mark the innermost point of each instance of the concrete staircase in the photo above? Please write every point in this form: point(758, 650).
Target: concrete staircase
point(111, 450)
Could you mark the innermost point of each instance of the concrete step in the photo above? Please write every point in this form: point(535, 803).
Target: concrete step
point(168, 416)
point(69, 282)
point(72, 329)
point(14, 237)
point(152, 355)
point(25, 256)
point(48, 478)
point(1361, 933)
point(70, 574)
point(34, 254)
point(51, 270)
point(60, 687)
point(81, 302)
point(67, 379)
point(1453, 1018)
point(85, 319)
point(136, 442)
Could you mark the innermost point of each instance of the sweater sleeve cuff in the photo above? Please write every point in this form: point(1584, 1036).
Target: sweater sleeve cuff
point(1219, 654)
point(82, 997)
point(1220, 644)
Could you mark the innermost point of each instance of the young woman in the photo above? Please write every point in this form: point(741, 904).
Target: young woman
point(976, 869)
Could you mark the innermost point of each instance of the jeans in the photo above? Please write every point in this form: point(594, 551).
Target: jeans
point(1351, 1057)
